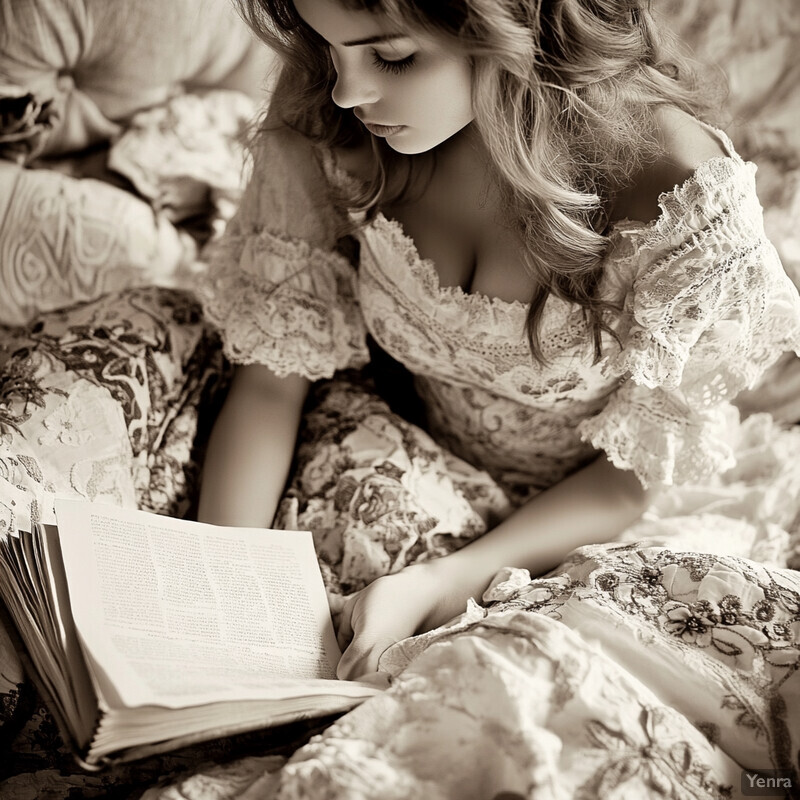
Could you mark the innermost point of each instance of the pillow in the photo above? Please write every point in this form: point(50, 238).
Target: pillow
point(101, 62)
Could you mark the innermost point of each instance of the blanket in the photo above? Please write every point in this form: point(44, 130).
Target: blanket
point(630, 667)
point(632, 671)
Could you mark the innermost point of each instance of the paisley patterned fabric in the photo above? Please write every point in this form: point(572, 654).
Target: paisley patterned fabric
point(377, 492)
point(102, 401)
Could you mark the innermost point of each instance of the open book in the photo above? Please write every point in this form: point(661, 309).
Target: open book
point(147, 633)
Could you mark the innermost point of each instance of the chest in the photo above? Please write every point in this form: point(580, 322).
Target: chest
point(467, 241)
point(456, 222)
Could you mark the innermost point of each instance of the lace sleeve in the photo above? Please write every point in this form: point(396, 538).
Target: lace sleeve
point(710, 309)
point(277, 288)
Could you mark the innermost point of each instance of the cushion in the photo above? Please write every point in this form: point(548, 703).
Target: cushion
point(101, 62)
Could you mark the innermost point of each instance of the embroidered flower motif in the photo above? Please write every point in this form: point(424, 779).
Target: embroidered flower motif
point(650, 577)
point(647, 591)
point(770, 593)
point(779, 631)
point(544, 592)
point(641, 757)
point(730, 608)
point(704, 609)
point(692, 623)
point(70, 424)
point(608, 581)
point(763, 611)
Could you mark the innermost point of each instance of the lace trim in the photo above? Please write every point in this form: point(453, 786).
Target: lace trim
point(677, 206)
point(425, 272)
point(716, 291)
point(286, 305)
point(735, 319)
point(710, 313)
point(709, 179)
point(659, 439)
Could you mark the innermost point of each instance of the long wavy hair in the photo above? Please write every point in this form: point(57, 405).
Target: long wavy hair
point(563, 95)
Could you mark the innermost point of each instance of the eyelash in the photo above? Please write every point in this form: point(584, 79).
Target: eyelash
point(396, 67)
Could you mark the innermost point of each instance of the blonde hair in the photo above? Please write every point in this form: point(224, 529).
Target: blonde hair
point(563, 96)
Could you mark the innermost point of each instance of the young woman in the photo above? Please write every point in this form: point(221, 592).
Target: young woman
point(517, 201)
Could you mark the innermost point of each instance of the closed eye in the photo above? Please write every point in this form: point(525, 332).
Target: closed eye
point(397, 67)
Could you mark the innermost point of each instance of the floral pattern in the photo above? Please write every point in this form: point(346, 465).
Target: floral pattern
point(113, 400)
point(105, 400)
point(706, 308)
point(377, 491)
point(630, 671)
point(634, 670)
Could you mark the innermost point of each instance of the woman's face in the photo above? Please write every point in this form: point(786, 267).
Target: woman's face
point(409, 88)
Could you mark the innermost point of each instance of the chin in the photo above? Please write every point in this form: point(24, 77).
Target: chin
point(411, 146)
point(414, 145)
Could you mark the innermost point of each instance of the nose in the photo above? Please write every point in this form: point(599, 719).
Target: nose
point(353, 87)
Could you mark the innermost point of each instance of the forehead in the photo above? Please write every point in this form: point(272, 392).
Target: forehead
point(342, 26)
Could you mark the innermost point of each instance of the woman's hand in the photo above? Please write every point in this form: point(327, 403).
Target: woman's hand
point(416, 599)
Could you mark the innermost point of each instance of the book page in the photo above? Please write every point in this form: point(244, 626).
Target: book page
point(179, 613)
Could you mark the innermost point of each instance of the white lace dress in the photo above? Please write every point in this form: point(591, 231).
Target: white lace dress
point(707, 307)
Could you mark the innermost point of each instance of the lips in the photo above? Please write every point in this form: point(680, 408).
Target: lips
point(382, 130)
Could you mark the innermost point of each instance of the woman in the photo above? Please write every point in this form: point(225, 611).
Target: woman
point(569, 262)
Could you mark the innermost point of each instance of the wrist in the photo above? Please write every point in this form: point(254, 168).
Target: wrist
point(457, 578)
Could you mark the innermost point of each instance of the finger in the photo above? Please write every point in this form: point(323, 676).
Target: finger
point(336, 603)
point(344, 633)
point(380, 680)
point(361, 657)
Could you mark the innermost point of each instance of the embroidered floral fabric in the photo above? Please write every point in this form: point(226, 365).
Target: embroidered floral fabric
point(109, 400)
point(569, 701)
point(631, 671)
point(707, 308)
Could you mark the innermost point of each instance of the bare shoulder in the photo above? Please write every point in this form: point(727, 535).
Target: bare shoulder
point(686, 144)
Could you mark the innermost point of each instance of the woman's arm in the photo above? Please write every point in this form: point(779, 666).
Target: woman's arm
point(592, 505)
point(251, 448)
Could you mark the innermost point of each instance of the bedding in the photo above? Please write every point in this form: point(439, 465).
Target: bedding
point(132, 214)
point(98, 63)
point(120, 143)
point(658, 666)
point(650, 666)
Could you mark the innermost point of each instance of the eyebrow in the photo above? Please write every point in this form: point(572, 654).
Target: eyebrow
point(384, 37)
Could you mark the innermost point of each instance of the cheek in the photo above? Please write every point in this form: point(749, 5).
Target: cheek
point(453, 99)
point(439, 96)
